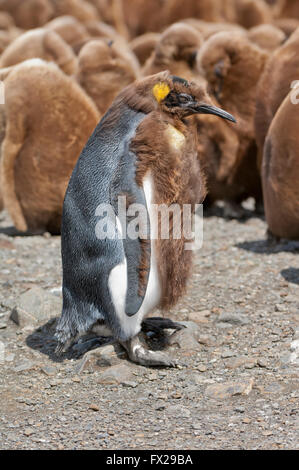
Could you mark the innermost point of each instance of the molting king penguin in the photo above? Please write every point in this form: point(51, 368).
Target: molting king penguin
point(144, 148)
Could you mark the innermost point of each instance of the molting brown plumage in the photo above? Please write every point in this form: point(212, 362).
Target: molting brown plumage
point(40, 43)
point(103, 72)
point(47, 126)
point(281, 70)
point(280, 172)
point(226, 59)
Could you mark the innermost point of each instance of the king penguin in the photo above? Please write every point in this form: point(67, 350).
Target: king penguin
point(144, 149)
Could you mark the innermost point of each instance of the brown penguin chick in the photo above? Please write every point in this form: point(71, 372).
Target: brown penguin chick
point(287, 25)
point(98, 29)
point(112, 13)
point(6, 37)
point(6, 21)
point(145, 147)
point(281, 71)
point(249, 13)
point(225, 59)
point(205, 10)
point(47, 126)
point(143, 46)
point(8, 30)
point(70, 30)
point(80, 9)
point(176, 51)
point(207, 28)
point(143, 16)
point(267, 37)
point(280, 172)
point(103, 72)
point(40, 43)
point(288, 9)
point(30, 13)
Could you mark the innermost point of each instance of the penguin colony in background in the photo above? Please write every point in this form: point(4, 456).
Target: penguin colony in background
point(143, 148)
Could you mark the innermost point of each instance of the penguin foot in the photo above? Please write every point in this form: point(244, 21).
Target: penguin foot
point(137, 353)
point(156, 324)
point(83, 347)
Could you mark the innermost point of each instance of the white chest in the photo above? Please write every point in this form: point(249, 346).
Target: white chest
point(175, 137)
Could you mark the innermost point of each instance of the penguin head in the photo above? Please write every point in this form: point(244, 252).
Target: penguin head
point(176, 96)
point(179, 42)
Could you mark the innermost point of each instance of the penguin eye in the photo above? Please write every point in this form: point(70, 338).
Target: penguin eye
point(183, 98)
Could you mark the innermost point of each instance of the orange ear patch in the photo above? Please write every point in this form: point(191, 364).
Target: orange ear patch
point(160, 90)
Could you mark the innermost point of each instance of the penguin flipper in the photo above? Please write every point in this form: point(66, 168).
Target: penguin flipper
point(138, 254)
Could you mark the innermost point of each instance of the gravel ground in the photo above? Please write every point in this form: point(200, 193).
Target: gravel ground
point(236, 387)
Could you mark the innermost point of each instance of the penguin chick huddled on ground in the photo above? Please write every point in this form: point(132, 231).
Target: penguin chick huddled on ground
point(145, 150)
point(103, 72)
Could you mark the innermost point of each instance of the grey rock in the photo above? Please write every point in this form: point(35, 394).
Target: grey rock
point(185, 339)
point(36, 306)
point(233, 319)
point(25, 365)
point(178, 411)
point(226, 390)
point(104, 356)
point(48, 370)
point(118, 374)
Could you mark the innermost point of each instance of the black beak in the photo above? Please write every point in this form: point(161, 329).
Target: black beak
point(208, 109)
